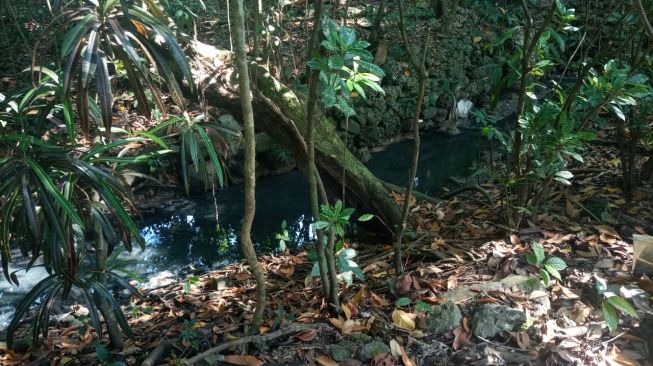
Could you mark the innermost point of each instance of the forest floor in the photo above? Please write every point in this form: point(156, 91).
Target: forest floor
point(468, 295)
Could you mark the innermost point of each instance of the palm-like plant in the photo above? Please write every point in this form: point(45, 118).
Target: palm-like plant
point(52, 196)
point(138, 40)
point(194, 138)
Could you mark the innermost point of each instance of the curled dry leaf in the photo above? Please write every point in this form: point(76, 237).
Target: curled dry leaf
point(325, 360)
point(243, 360)
point(361, 294)
point(346, 310)
point(306, 335)
point(378, 301)
point(403, 319)
point(406, 359)
point(523, 340)
point(337, 322)
point(461, 334)
point(404, 284)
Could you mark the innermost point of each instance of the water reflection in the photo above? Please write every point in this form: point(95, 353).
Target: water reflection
point(189, 237)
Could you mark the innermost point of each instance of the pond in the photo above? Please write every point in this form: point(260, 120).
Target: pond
point(190, 236)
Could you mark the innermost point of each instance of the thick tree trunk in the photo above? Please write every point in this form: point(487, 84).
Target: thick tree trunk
point(281, 113)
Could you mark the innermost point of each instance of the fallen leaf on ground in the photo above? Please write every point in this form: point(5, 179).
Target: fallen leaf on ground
point(325, 360)
point(395, 348)
point(403, 320)
point(306, 335)
point(243, 360)
point(461, 334)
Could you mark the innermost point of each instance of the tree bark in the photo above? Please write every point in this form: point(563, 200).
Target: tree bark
point(282, 114)
point(250, 161)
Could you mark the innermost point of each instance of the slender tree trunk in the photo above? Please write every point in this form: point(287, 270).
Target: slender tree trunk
point(530, 42)
point(101, 248)
point(375, 34)
point(412, 172)
point(258, 26)
point(250, 161)
point(311, 171)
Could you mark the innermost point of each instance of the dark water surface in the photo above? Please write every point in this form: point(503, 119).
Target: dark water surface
point(191, 236)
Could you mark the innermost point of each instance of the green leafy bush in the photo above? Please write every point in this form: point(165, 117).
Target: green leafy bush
point(547, 267)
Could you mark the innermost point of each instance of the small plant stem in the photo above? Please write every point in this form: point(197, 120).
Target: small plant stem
point(416, 138)
point(311, 115)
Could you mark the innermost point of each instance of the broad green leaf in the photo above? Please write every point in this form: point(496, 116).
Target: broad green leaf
point(74, 35)
point(610, 316)
point(48, 185)
point(623, 305)
point(564, 174)
point(532, 259)
point(366, 217)
point(556, 263)
point(552, 271)
point(545, 276)
point(538, 250)
point(402, 301)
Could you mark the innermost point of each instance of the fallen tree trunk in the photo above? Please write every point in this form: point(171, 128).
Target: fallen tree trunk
point(281, 113)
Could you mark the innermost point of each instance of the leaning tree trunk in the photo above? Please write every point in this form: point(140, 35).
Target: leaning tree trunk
point(281, 113)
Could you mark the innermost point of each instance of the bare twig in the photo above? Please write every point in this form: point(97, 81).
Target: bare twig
point(294, 328)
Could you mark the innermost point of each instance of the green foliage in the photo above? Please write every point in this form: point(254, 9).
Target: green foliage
point(190, 281)
point(547, 267)
point(283, 237)
point(612, 304)
point(99, 32)
point(346, 69)
point(189, 335)
point(334, 220)
point(194, 139)
point(403, 301)
point(185, 12)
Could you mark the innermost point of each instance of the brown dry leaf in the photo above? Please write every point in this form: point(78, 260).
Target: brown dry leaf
point(338, 323)
point(608, 234)
point(306, 335)
point(461, 334)
point(383, 359)
point(404, 284)
point(452, 281)
point(514, 240)
point(243, 360)
point(284, 269)
point(434, 299)
point(416, 333)
point(348, 326)
point(325, 360)
point(523, 340)
point(403, 319)
point(346, 310)
point(361, 294)
point(406, 359)
point(645, 284)
point(378, 301)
